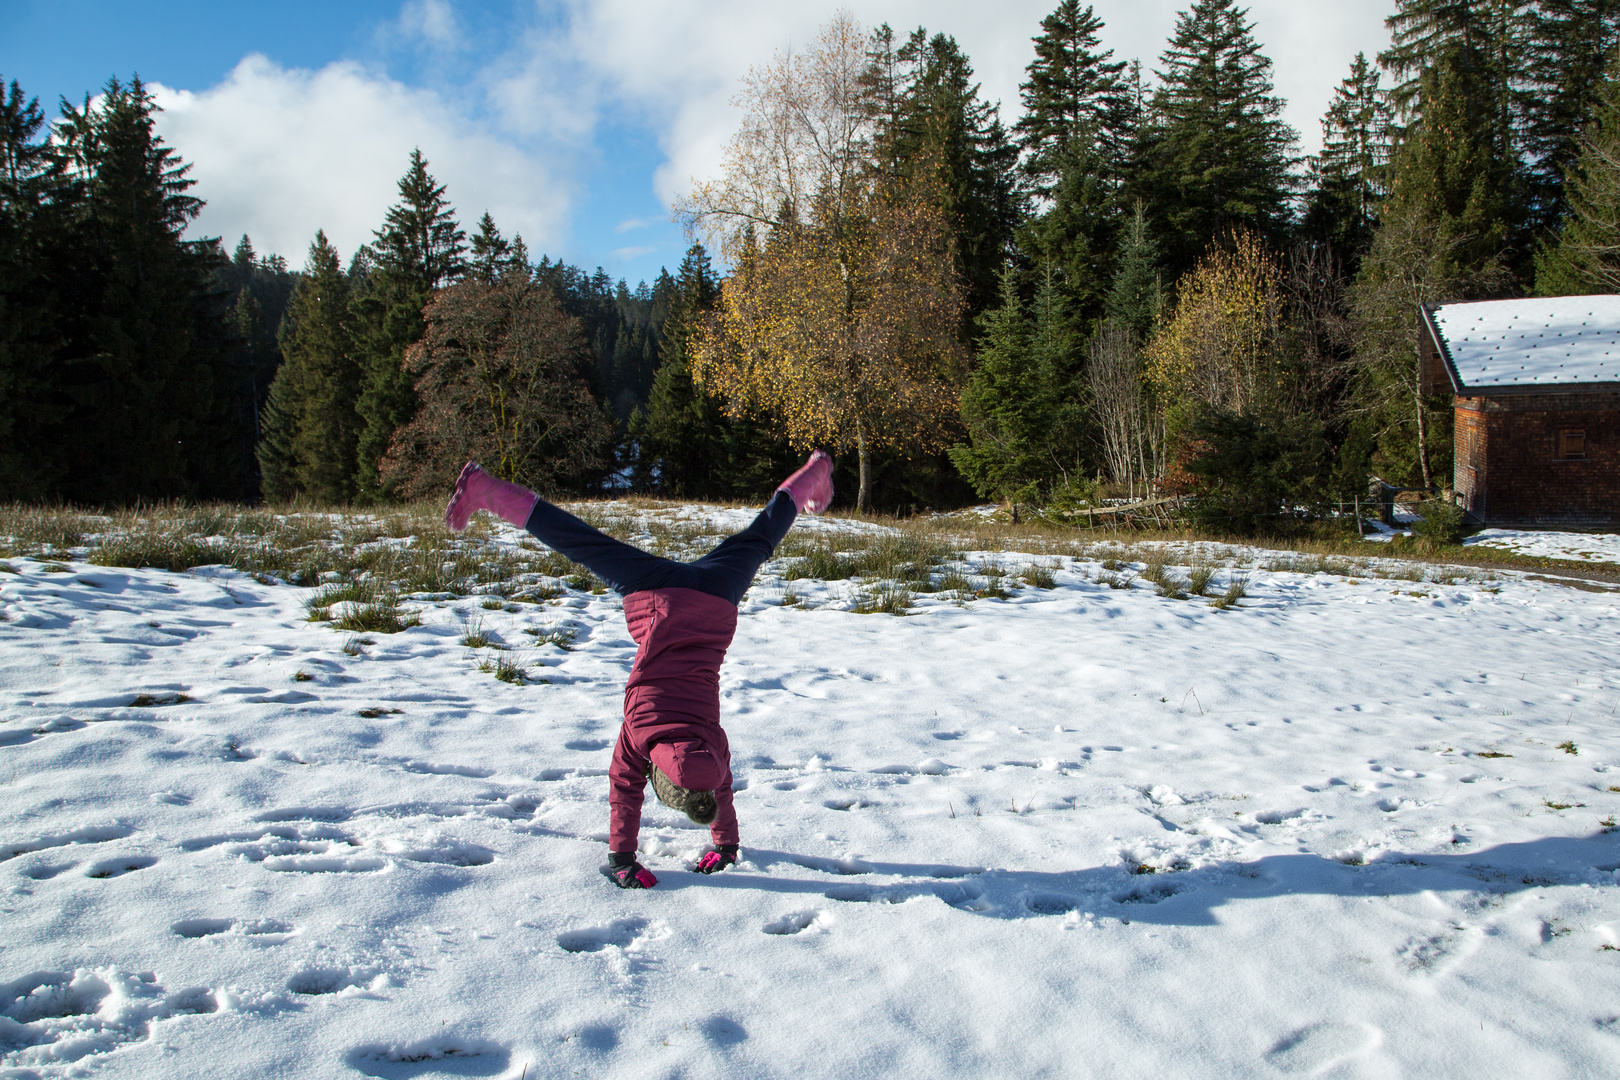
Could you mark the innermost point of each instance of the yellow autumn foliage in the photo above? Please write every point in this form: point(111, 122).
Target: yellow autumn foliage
point(1220, 345)
point(845, 328)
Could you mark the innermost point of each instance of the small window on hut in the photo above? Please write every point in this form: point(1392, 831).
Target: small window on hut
point(1571, 444)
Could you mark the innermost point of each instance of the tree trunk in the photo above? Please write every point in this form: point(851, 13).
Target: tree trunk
point(863, 493)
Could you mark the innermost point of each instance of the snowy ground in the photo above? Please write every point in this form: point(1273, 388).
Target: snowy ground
point(1350, 828)
point(1580, 547)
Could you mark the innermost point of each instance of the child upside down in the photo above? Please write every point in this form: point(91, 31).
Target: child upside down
point(682, 617)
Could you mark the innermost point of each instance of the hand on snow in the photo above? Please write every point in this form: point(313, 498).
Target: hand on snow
point(623, 870)
point(722, 856)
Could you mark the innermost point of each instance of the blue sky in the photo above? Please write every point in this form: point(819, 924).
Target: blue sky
point(575, 123)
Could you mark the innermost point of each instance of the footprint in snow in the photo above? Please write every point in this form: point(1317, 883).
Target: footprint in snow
point(437, 1055)
point(254, 931)
point(92, 834)
point(201, 928)
point(723, 1031)
point(1315, 1049)
point(317, 980)
point(795, 922)
point(477, 772)
point(111, 868)
point(620, 933)
point(56, 1016)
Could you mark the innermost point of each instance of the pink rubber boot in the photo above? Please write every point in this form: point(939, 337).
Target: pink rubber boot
point(811, 487)
point(477, 490)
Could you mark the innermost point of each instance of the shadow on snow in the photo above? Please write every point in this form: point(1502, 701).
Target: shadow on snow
point(1182, 898)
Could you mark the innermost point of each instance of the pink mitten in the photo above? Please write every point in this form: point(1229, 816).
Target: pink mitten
point(477, 490)
point(722, 856)
point(811, 487)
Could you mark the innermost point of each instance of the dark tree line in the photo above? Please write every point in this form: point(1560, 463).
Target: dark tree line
point(1160, 291)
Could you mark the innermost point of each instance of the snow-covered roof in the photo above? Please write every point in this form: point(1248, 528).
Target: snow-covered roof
point(1507, 344)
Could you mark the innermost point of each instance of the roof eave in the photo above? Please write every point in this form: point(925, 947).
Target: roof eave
point(1426, 312)
point(1521, 391)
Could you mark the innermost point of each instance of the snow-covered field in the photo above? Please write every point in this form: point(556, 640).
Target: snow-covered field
point(1349, 828)
point(1579, 547)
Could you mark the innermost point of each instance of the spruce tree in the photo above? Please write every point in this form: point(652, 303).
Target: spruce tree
point(1486, 39)
point(1447, 232)
point(1585, 257)
point(1348, 177)
point(418, 249)
point(1075, 133)
point(1073, 95)
point(1010, 400)
point(1221, 156)
point(1077, 234)
point(944, 127)
point(258, 290)
point(491, 252)
point(1570, 47)
point(31, 200)
point(143, 359)
point(1137, 293)
point(1471, 58)
point(311, 452)
point(680, 435)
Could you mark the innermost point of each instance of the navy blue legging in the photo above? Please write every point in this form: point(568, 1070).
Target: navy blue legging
point(726, 571)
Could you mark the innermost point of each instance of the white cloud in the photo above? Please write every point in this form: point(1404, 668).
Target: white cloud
point(279, 153)
point(626, 254)
point(627, 225)
point(430, 21)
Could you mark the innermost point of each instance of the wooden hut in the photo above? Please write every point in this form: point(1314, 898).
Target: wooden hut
point(1537, 392)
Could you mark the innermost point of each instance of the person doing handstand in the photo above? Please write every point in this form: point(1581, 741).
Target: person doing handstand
point(682, 617)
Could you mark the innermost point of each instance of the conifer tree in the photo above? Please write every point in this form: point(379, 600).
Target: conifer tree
point(143, 359)
point(950, 138)
point(418, 249)
point(1073, 95)
point(1002, 403)
point(1075, 132)
point(1076, 235)
point(1470, 57)
point(29, 308)
point(312, 430)
point(259, 290)
point(1221, 156)
point(1348, 177)
point(1446, 233)
point(1585, 257)
point(1137, 292)
point(1022, 404)
point(677, 435)
point(491, 252)
point(1570, 47)
point(1486, 40)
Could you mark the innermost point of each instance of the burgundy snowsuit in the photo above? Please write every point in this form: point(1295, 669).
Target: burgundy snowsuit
point(682, 616)
point(672, 707)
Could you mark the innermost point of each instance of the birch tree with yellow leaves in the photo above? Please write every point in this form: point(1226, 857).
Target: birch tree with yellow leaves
point(1220, 347)
point(841, 316)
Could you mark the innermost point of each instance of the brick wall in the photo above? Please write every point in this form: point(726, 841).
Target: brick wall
point(1468, 474)
point(1508, 464)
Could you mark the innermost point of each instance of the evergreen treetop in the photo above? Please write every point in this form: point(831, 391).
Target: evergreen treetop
point(1348, 176)
point(1074, 92)
point(420, 243)
point(1221, 156)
